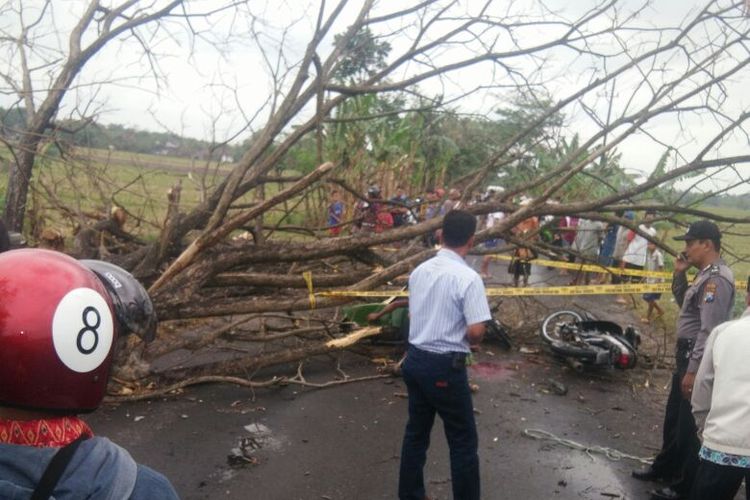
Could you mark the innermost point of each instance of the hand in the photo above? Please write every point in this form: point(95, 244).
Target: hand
point(373, 317)
point(681, 264)
point(687, 385)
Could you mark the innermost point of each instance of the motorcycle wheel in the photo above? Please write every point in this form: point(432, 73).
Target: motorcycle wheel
point(550, 331)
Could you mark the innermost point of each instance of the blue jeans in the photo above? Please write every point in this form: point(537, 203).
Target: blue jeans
point(437, 384)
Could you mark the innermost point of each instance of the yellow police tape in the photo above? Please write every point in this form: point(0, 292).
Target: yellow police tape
point(307, 276)
point(517, 291)
point(632, 288)
point(591, 267)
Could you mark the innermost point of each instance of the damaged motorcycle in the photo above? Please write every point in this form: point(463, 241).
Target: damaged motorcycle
point(585, 341)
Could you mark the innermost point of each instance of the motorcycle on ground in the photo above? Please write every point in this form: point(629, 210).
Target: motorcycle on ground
point(585, 341)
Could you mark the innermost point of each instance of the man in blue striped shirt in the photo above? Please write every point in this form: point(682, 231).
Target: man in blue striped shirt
point(448, 308)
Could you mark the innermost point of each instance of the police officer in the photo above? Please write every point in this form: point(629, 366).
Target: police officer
point(704, 303)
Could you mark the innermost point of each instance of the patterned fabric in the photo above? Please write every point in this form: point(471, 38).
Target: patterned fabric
point(721, 458)
point(48, 432)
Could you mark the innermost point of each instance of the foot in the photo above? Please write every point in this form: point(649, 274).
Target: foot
point(621, 300)
point(666, 493)
point(645, 321)
point(647, 474)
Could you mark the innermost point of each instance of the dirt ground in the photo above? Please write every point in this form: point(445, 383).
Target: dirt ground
point(344, 442)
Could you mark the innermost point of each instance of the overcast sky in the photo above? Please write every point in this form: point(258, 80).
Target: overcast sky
point(209, 88)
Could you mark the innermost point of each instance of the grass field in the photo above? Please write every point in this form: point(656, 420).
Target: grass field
point(92, 181)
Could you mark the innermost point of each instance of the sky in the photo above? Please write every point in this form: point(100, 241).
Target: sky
point(212, 85)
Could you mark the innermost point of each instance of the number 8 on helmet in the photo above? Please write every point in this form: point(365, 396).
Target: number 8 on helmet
point(58, 328)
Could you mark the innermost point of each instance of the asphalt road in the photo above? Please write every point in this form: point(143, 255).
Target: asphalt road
point(344, 442)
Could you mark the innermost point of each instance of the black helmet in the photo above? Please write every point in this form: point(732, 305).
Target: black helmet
point(373, 191)
point(133, 307)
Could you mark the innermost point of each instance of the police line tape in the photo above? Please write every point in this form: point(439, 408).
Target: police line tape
point(596, 268)
point(518, 291)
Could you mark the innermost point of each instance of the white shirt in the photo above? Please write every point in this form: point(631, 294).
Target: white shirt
point(636, 252)
point(494, 218)
point(587, 236)
point(654, 262)
point(721, 393)
point(445, 297)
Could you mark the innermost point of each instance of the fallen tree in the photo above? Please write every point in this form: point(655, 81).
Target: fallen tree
point(341, 101)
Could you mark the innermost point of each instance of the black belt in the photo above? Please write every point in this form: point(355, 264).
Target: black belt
point(458, 359)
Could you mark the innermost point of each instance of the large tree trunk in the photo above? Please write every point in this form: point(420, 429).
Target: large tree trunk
point(19, 181)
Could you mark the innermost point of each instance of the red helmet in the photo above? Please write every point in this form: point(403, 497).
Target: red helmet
point(57, 332)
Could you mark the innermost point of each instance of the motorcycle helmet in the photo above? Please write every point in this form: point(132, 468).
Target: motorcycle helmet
point(373, 191)
point(57, 332)
point(134, 311)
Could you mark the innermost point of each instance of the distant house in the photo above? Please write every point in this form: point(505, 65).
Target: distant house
point(169, 148)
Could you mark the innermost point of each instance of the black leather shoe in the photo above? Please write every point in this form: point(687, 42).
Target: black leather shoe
point(666, 493)
point(647, 474)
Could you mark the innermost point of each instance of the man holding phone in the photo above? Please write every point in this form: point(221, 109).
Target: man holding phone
point(704, 304)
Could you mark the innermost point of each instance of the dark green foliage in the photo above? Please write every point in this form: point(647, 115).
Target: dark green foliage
point(364, 55)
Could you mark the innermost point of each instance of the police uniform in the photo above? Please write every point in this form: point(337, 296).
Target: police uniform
point(704, 304)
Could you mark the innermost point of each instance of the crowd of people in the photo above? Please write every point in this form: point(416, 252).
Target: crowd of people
point(376, 213)
point(565, 237)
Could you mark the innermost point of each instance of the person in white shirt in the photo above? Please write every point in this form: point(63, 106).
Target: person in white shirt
point(654, 262)
point(635, 253)
point(448, 309)
point(493, 219)
point(721, 406)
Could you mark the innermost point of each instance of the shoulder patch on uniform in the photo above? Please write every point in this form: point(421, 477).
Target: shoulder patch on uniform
point(714, 269)
point(709, 292)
